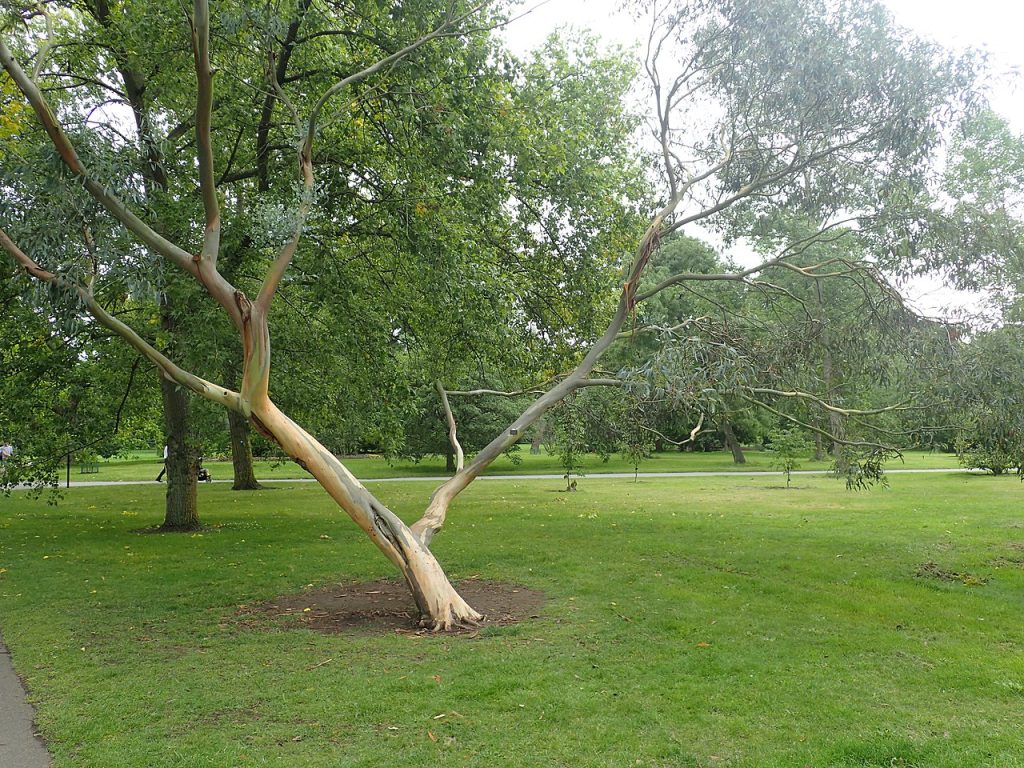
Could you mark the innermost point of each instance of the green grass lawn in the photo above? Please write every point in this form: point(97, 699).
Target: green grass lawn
point(146, 466)
point(709, 622)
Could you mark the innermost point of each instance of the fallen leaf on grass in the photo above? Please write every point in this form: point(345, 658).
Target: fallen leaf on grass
point(703, 645)
point(433, 738)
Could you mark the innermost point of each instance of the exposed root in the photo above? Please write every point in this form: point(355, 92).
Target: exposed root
point(452, 623)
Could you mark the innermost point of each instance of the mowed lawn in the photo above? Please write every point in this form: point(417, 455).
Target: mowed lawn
point(717, 621)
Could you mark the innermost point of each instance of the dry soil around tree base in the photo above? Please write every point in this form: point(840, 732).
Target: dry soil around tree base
point(387, 606)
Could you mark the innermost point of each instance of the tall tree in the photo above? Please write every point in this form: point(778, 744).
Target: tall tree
point(823, 133)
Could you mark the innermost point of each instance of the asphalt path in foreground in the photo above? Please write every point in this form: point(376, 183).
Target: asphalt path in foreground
point(19, 745)
point(591, 476)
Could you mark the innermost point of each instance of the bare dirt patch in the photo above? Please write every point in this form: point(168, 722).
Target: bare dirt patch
point(385, 606)
point(931, 570)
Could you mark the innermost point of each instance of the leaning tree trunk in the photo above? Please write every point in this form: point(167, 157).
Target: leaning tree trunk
point(729, 436)
point(440, 606)
point(241, 454)
point(182, 509)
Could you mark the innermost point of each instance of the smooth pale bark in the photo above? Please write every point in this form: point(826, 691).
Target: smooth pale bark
point(182, 510)
point(456, 457)
point(440, 606)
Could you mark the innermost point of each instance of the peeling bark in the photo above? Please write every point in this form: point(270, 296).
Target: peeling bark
point(440, 606)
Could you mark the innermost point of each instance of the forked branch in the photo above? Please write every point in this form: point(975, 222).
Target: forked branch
point(214, 283)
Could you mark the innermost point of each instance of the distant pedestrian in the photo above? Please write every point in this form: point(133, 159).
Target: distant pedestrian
point(6, 451)
point(163, 471)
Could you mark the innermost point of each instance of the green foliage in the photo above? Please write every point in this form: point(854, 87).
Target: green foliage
point(864, 469)
point(570, 438)
point(789, 447)
point(477, 419)
point(438, 247)
point(79, 394)
point(989, 402)
point(970, 228)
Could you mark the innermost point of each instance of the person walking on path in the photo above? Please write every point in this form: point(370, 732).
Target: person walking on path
point(163, 471)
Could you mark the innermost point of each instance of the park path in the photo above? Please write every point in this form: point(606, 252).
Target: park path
point(20, 747)
point(591, 476)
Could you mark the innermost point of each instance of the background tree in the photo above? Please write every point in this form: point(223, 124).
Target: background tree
point(988, 399)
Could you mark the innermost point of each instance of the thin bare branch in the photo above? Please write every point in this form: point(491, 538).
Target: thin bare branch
point(796, 394)
point(44, 50)
point(812, 428)
point(460, 457)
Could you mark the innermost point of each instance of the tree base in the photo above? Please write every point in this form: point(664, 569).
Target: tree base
point(247, 486)
point(187, 528)
point(452, 622)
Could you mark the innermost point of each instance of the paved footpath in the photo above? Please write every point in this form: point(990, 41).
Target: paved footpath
point(19, 745)
point(591, 476)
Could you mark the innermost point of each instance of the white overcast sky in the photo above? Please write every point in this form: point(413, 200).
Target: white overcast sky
point(994, 25)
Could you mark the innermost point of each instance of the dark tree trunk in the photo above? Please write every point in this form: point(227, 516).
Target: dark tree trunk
point(819, 448)
point(449, 461)
point(835, 421)
point(182, 510)
point(241, 454)
point(729, 436)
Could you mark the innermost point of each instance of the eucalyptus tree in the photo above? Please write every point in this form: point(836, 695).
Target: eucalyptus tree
point(693, 307)
point(968, 226)
point(843, 331)
point(744, 130)
point(987, 400)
